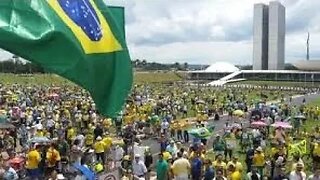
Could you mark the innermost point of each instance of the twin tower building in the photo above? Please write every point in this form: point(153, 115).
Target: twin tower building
point(269, 26)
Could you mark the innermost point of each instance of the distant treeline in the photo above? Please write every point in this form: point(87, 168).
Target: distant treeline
point(19, 67)
point(149, 66)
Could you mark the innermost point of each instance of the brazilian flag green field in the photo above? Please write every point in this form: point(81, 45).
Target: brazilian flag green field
point(81, 40)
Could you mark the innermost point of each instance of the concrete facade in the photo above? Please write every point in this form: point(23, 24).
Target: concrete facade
point(277, 29)
point(269, 36)
point(260, 37)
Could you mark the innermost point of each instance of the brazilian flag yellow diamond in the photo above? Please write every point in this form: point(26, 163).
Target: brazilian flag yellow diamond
point(88, 25)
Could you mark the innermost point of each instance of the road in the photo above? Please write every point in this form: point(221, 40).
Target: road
point(219, 125)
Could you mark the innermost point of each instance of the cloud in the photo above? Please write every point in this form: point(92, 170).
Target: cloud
point(188, 30)
point(207, 31)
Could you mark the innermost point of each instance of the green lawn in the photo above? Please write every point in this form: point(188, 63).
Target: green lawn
point(156, 77)
point(49, 79)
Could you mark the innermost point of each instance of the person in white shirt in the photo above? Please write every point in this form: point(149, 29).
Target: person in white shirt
point(10, 173)
point(164, 127)
point(80, 137)
point(172, 149)
point(139, 168)
point(298, 174)
point(118, 155)
point(315, 176)
point(256, 133)
point(181, 168)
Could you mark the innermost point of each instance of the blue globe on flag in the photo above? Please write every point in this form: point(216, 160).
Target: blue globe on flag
point(84, 15)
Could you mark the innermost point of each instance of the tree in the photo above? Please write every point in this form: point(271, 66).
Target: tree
point(144, 62)
point(176, 65)
point(185, 66)
point(137, 62)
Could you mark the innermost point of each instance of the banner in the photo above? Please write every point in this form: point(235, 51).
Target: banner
point(297, 148)
point(113, 175)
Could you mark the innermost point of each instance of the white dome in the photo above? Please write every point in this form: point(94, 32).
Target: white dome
point(222, 67)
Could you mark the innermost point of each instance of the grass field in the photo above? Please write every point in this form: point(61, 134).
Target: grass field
point(139, 78)
point(156, 77)
point(48, 79)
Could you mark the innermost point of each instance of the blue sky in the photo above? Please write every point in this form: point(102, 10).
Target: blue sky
point(207, 31)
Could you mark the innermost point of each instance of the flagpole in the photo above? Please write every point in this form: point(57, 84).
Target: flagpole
point(308, 38)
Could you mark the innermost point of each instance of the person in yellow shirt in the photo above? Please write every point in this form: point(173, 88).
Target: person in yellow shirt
point(234, 174)
point(218, 164)
point(99, 148)
point(88, 139)
point(33, 159)
point(193, 153)
point(259, 160)
point(52, 157)
point(107, 140)
point(71, 134)
point(235, 162)
point(39, 132)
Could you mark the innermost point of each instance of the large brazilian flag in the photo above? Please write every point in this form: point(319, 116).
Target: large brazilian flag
point(81, 40)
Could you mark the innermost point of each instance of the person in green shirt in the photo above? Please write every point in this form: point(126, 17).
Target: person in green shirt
point(218, 145)
point(162, 167)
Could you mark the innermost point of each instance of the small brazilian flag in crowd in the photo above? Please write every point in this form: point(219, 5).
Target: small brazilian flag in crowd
point(81, 40)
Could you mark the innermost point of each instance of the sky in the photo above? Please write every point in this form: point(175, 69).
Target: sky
point(208, 31)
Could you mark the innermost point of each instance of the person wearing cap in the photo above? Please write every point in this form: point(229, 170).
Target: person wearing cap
point(296, 159)
point(259, 160)
point(139, 168)
point(298, 173)
point(166, 155)
point(172, 149)
point(99, 148)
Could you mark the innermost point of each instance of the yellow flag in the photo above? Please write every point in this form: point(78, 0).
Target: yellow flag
point(302, 146)
point(297, 148)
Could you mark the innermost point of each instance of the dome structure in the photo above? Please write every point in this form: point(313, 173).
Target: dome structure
point(304, 65)
point(222, 67)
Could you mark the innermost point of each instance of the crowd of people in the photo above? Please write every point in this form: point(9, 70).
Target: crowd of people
point(52, 132)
